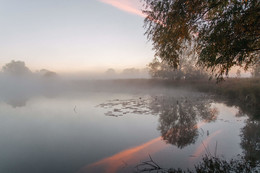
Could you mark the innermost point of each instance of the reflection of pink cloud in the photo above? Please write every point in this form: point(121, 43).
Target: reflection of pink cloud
point(128, 156)
point(200, 124)
point(130, 6)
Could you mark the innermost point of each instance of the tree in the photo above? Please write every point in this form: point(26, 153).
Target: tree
point(224, 33)
point(16, 68)
point(110, 71)
point(186, 70)
point(47, 73)
point(159, 69)
point(131, 71)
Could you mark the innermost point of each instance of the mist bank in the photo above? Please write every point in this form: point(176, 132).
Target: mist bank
point(19, 84)
point(241, 92)
point(19, 68)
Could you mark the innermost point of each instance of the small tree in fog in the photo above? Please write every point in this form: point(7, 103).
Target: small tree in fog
point(47, 73)
point(16, 68)
point(110, 71)
point(131, 71)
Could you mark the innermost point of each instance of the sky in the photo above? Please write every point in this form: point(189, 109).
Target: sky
point(74, 35)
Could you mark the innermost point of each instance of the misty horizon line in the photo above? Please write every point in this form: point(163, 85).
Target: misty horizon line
point(18, 67)
point(106, 73)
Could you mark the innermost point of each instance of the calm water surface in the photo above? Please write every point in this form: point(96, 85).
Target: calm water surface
point(114, 132)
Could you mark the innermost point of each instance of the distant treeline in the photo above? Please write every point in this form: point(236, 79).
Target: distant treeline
point(18, 68)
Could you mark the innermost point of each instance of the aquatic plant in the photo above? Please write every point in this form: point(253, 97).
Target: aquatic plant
point(209, 164)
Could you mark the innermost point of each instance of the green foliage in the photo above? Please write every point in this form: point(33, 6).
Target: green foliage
point(215, 164)
point(208, 164)
point(223, 33)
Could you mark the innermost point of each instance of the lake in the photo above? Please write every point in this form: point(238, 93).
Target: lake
point(114, 131)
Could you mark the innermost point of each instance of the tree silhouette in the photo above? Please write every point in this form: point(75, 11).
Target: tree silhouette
point(223, 33)
point(47, 73)
point(16, 68)
point(110, 71)
point(186, 70)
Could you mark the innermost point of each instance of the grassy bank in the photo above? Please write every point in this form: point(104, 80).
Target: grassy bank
point(241, 92)
point(244, 93)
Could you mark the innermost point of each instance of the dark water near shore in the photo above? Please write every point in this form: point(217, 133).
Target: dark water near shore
point(115, 131)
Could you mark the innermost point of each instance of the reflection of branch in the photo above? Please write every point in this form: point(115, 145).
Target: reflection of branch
point(149, 166)
point(202, 134)
point(125, 164)
point(206, 149)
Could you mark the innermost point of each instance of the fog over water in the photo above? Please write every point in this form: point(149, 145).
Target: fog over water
point(19, 82)
point(123, 86)
point(53, 123)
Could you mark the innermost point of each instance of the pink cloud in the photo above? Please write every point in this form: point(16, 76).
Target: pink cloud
point(130, 6)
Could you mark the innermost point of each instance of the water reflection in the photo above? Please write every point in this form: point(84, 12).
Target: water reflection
point(250, 140)
point(178, 117)
point(245, 109)
point(108, 144)
point(21, 102)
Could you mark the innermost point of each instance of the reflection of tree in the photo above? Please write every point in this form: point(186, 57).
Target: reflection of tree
point(248, 105)
point(178, 116)
point(178, 124)
point(250, 141)
point(21, 102)
point(178, 119)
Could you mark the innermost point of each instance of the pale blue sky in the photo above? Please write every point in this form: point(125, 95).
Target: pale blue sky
point(73, 35)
